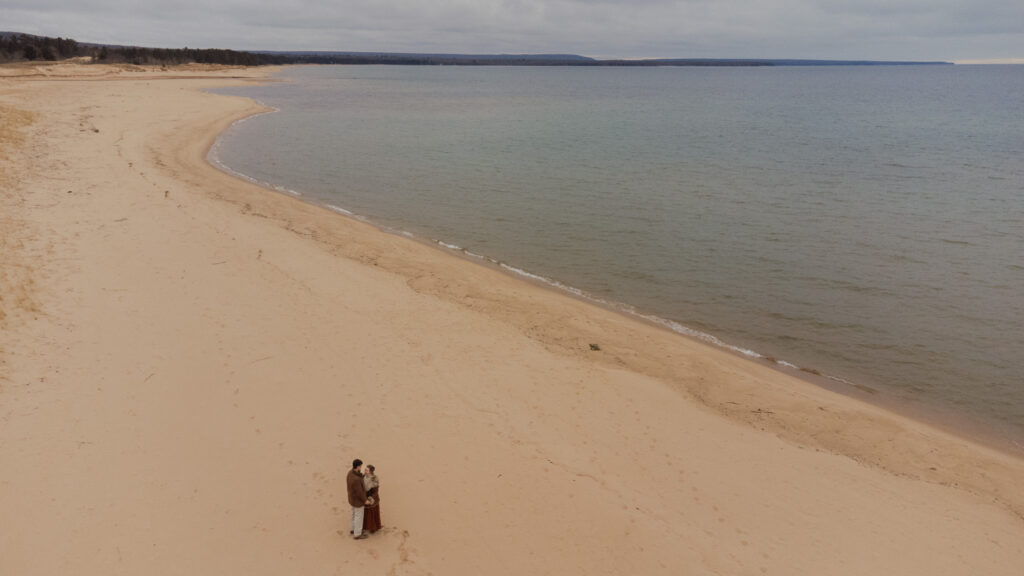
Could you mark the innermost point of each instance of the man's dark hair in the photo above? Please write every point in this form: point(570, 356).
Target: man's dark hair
point(356, 463)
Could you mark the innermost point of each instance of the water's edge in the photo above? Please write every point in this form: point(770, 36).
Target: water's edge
point(938, 417)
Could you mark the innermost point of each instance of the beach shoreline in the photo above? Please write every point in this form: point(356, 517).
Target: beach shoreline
point(878, 394)
point(269, 328)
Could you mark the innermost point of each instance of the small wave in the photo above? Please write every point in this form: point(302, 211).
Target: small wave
point(454, 247)
point(286, 190)
point(549, 282)
point(272, 110)
point(213, 156)
point(213, 159)
point(664, 322)
point(703, 336)
point(339, 210)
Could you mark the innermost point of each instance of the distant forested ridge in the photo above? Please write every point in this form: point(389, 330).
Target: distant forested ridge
point(16, 47)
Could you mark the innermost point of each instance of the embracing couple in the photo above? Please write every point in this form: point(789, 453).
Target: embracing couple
point(364, 497)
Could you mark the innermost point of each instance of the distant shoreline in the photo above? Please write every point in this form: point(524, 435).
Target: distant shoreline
point(413, 59)
point(19, 47)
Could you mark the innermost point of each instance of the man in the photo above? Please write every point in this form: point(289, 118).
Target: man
point(357, 498)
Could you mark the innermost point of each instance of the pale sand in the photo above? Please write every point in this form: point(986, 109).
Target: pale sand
point(190, 363)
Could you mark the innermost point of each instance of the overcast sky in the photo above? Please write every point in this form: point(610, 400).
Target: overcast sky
point(952, 30)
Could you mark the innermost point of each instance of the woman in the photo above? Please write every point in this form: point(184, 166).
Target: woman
point(371, 519)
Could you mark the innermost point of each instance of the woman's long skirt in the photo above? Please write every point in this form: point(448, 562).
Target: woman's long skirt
point(371, 519)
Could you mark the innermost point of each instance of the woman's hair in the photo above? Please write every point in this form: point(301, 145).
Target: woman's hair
point(372, 469)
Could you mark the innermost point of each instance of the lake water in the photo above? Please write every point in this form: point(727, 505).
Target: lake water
point(863, 222)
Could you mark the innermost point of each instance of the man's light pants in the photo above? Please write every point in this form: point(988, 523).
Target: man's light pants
point(357, 520)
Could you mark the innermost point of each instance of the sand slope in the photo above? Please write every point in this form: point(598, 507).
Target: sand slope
point(189, 364)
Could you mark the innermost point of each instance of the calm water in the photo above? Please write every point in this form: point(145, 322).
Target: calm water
point(864, 222)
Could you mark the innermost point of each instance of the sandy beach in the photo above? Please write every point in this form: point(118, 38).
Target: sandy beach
point(189, 363)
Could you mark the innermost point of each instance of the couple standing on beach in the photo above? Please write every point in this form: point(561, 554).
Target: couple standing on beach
point(364, 497)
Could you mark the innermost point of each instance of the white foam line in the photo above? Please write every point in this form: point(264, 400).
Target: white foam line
point(286, 190)
point(340, 210)
point(629, 310)
point(838, 379)
point(550, 282)
point(213, 156)
point(272, 109)
point(345, 212)
point(703, 336)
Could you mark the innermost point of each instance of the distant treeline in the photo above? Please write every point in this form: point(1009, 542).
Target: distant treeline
point(20, 47)
point(14, 47)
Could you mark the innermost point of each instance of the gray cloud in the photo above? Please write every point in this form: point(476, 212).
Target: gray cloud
point(849, 29)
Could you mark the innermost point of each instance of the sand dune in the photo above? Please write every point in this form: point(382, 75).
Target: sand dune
point(189, 363)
